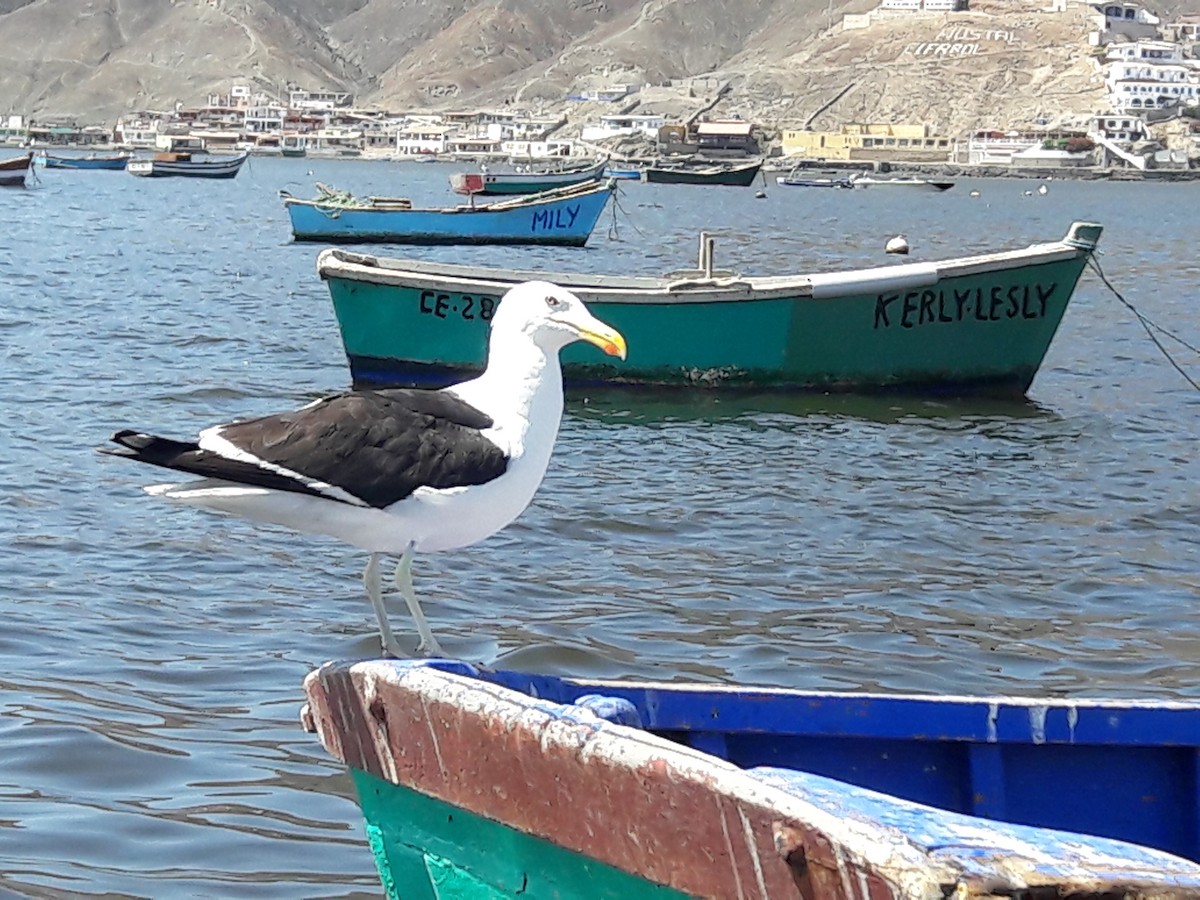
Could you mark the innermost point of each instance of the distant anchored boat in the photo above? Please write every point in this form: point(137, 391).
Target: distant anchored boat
point(975, 324)
point(14, 170)
point(724, 174)
point(563, 217)
point(184, 165)
point(114, 162)
point(525, 181)
point(901, 181)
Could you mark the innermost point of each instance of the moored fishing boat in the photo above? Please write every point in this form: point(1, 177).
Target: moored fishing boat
point(14, 170)
point(563, 217)
point(901, 181)
point(978, 323)
point(114, 162)
point(477, 783)
point(527, 180)
point(801, 179)
point(717, 174)
point(185, 165)
point(293, 145)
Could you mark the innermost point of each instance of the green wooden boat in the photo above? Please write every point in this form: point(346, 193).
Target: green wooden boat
point(976, 324)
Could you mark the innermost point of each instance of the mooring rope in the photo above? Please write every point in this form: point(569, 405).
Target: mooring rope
point(616, 206)
point(1149, 325)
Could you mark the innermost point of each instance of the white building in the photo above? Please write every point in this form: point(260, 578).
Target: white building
point(1138, 85)
point(421, 139)
point(265, 119)
point(320, 100)
point(1116, 128)
point(924, 5)
point(1112, 21)
point(623, 126)
point(1144, 51)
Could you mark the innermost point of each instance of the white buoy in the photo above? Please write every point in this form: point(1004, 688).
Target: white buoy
point(1043, 190)
point(898, 244)
point(974, 194)
point(1029, 193)
point(760, 195)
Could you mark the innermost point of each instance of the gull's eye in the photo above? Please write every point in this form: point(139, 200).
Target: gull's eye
point(553, 302)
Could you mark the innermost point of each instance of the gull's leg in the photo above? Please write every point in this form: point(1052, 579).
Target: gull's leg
point(374, 591)
point(429, 645)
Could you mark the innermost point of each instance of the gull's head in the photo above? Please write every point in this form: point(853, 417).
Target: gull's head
point(552, 317)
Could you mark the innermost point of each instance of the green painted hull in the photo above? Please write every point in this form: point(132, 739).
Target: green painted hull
point(429, 850)
point(971, 325)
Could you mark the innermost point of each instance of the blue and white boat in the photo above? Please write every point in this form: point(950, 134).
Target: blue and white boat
point(504, 783)
point(115, 162)
point(564, 217)
point(186, 165)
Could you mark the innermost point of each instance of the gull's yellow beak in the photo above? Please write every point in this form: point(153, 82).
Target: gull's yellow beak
point(607, 339)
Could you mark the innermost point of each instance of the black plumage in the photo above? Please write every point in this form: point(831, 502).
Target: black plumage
point(378, 446)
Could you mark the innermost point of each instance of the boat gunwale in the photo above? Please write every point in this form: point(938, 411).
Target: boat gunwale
point(694, 287)
point(524, 201)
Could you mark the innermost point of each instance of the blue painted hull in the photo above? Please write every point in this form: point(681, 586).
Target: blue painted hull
point(563, 218)
point(481, 784)
point(1124, 770)
point(106, 163)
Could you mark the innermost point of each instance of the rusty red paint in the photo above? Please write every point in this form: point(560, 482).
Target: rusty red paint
point(656, 820)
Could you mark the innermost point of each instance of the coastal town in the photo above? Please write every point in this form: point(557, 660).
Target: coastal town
point(1151, 87)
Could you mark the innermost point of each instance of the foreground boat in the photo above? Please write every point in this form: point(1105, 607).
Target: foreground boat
point(184, 165)
point(104, 162)
point(973, 324)
point(483, 784)
point(14, 170)
point(524, 182)
point(719, 174)
point(563, 217)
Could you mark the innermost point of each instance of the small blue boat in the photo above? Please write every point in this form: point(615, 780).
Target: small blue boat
point(500, 783)
point(563, 217)
point(109, 162)
point(628, 173)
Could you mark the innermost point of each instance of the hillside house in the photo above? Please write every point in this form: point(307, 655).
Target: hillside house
point(623, 126)
point(1121, 21)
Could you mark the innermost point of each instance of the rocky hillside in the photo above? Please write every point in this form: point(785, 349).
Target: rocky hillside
point(1005, 62)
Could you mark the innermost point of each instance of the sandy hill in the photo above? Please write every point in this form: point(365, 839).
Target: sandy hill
point(94, 59)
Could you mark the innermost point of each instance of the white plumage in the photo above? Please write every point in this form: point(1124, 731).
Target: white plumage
point(434, 470)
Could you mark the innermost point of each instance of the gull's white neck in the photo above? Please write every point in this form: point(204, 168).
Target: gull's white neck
point(521, 390)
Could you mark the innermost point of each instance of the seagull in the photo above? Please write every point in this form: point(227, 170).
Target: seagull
point(398, 471)
point(898, 244)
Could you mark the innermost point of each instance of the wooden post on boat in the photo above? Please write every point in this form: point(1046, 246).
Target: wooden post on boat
point(705, 262)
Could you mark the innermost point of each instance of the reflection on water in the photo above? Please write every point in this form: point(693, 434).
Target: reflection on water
point(154, 655)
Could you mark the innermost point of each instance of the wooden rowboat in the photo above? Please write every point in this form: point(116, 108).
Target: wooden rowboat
point(528, 181)
point(104, 162)
point(480, 784)
point(185, 165)
point(562, 217)
point(972, 324)
point(14, 170)
point(720, 174)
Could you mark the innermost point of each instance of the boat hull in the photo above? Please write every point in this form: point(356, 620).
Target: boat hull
point(980, 324)
point(508, 183)
point(741, 176)
point(190, 168)
point(100, 163)
point(486, 784)
point(14, 170)
point(559, 218)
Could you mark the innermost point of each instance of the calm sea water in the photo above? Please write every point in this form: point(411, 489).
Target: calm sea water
point(153, 655)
